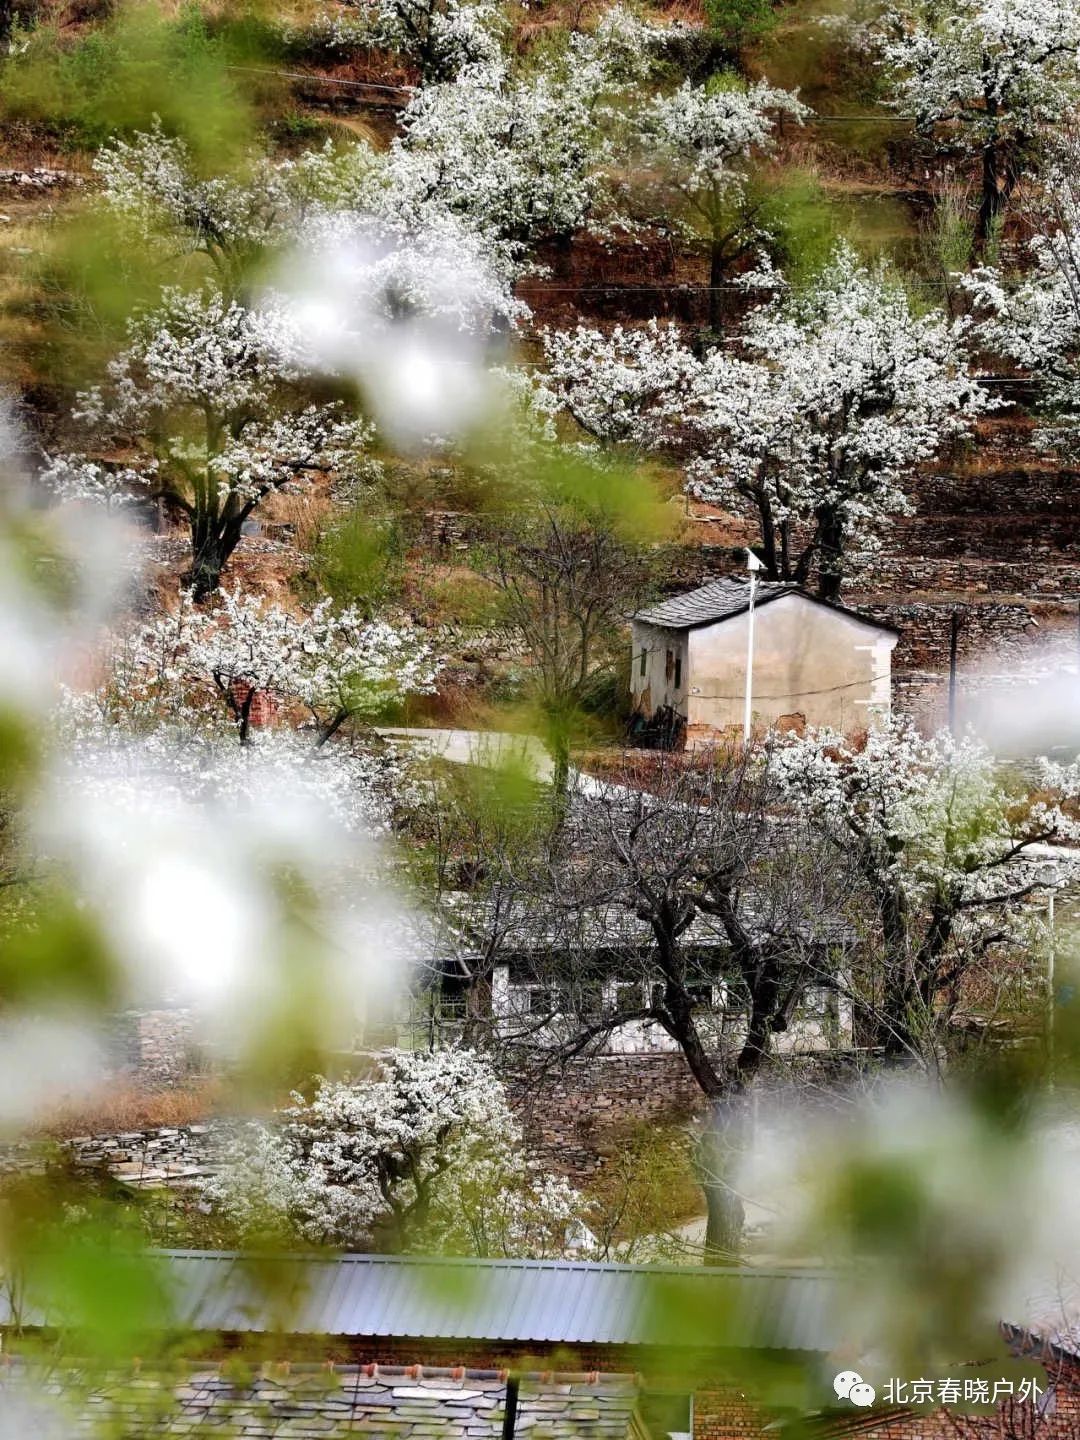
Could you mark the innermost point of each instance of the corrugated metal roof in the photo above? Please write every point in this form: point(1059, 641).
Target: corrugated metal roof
point(523, 1301)
point(723, 599)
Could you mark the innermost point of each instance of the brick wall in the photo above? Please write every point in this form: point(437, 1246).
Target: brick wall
point(728, 1414)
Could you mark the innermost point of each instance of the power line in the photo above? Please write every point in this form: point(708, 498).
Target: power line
point(322, 79)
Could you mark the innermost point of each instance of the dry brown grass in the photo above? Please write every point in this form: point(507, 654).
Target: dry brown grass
point(123, 1107)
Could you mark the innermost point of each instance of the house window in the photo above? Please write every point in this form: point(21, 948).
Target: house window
point(678, 672)
point(641, 662)
point(701, 996)
point(669, 664)
point(628, 997)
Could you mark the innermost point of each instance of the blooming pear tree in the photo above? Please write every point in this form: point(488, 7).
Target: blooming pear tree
point(705, 137)
point(945, 860)
point(214, 392)
point(619, 388)
point(425, 1153)
point(838, 392)
point(439, 37)
point(521, 155)
point(519, 159)
point(1034, 319)
point(336, 664)
point(844, 391)
point(990, 76)
point(153, 183)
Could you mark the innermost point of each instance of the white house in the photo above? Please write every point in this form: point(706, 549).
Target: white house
point(814, 663)
point(545, 984)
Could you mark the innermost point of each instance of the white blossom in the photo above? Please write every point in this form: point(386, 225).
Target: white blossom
point(335, 663)
point(706, 133)
point(1034, 320)
point(428, 1153)
point(929, 814)
point(440, 37)
point(618, 387)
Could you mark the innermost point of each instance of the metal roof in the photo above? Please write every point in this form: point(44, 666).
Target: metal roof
point(505, 1301)
point(723, 599)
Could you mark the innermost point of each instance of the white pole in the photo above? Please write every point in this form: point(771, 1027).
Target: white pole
point(749, 659)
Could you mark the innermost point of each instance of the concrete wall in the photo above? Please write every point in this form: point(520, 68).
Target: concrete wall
point(657, 655)
point(812, 665)
point(820, 1023)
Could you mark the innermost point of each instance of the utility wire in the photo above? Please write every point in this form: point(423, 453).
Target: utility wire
point(315, 79)
point(322, 79)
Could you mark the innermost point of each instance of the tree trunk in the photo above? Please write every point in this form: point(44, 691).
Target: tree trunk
point(991, 199)
point(716, 280)
point(722, 1141)
point(212, 543)
point(205, 573)
point(830, 557)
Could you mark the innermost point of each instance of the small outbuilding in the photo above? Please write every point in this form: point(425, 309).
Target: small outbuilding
point(814, 663)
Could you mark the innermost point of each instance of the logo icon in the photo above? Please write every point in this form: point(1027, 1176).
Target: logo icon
point(849, 1385)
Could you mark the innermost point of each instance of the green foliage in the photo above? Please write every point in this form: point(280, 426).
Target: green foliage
point(737, 23)
point(360, 561)
point(644, 1188)
point(117, 77)
point(801, 223)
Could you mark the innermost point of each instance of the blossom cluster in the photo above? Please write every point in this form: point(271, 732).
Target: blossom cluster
point(428, 1149)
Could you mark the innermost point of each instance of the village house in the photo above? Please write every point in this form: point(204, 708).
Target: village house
point(548, 978)
point(814, 663)
point(417, 1348)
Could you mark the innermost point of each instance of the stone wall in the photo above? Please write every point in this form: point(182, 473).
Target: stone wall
point(157, 1048)
point(167, 1155)
point(569, 1114)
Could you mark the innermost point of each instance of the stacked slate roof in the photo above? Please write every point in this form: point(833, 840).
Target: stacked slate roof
point(282, 1402)
point(718, 600)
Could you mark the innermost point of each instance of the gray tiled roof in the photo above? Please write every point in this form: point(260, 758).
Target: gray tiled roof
point(722, 599)
point(280, 1402)
point(718, 600)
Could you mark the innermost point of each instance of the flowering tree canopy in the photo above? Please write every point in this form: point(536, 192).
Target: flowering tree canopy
point(152, 181)
point(704, 137)
point(619, 387)
point(848, 390)
point(946, 858)
point(991, 75)
point(1035, 320)
point(521, 156)
point(427, 1153)
point(840, 391)
point(335, 663)
point(210, 389)
point(440, 37)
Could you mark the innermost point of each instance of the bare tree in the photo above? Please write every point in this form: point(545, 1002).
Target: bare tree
point(682, 885)
point(567, 583)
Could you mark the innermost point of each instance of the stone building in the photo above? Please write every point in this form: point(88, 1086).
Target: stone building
point(814, 663)
point(548, 980)
point(422, 1348)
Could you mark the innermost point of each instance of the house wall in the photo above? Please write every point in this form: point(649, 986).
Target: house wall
point(812, 666)
point(664, 652)
point(821, 1023)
